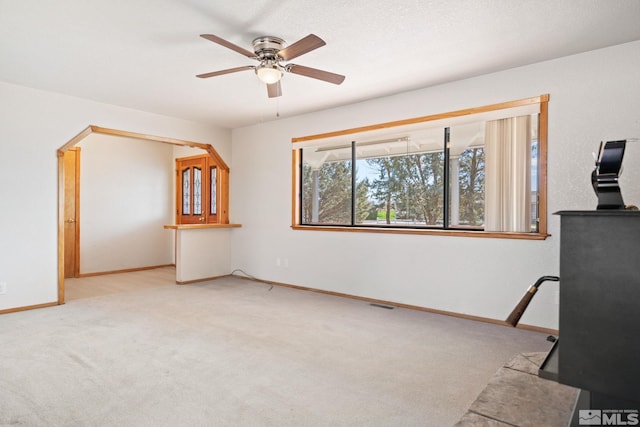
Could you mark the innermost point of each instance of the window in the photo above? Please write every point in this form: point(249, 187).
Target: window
point(470, 171)
point(199, 192)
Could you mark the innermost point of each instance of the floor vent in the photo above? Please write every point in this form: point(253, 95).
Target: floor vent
point(388, 307)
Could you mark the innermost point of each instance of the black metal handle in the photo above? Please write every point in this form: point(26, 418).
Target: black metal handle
point(546, 278)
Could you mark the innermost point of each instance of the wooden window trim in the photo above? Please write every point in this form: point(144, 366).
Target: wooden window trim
point(542, 234)
point(425, 231)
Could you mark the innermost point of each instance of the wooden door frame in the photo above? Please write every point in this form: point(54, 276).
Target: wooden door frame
point(114, 132)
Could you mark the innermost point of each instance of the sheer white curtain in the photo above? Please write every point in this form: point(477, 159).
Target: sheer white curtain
point(508, 174)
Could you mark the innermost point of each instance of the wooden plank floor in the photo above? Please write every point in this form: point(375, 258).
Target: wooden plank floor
point(108, 284)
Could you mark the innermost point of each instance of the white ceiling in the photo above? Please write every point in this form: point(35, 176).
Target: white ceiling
point(144, 54)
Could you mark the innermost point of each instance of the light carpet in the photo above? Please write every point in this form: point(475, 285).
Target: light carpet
point(233, 352)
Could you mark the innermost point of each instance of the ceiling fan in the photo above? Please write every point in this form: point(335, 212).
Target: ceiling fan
point(271, 52)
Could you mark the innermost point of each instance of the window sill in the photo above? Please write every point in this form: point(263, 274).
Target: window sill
point(199, 226)
point(429, 232)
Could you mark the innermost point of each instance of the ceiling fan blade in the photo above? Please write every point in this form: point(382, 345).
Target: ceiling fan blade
point(229, 45)
point(314, 73)
point(302, 46)
point(274, 90)
point(227, 71)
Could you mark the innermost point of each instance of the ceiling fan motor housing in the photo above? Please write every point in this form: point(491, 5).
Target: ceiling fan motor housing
point(267, 47)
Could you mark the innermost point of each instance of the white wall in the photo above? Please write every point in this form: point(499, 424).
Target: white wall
point(203, 254)
point(594, 96)
point(33, 125)
point(126, 197)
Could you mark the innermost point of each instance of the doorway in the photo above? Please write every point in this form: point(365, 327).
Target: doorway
point(72, 212)
point(71, 227)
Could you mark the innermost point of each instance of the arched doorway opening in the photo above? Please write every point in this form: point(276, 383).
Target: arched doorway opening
point(223, 185)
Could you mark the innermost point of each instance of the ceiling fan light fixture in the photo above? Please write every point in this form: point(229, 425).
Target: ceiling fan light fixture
point(269, 73)
point(270, 51)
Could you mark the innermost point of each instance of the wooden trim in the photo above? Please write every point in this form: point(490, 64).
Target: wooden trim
point(126, 270)
point(196, 157)
point(76, 139)
point(206, 147)
point(295, 186)
point(206, 279)
point(543, 130)
point(416, 120)
point(30, 307)
point(213, 153)
point(178, 191)
point(400, 305)
point(424, 231)
point(223, 197)
point(60, 226)
point(199, 226)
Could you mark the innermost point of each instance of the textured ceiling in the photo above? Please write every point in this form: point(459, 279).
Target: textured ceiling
point(144, 54)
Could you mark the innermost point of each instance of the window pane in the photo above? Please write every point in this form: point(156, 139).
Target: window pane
point(466, 176)
point(326, 185)
point(197, 191)
point(186, 191)
point(403, 179)
point(213, 182)
point(486, 178)
point(534, 174)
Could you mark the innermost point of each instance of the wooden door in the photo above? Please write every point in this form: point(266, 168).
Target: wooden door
point(198, 179)
point(71, 212)
point(192, 194)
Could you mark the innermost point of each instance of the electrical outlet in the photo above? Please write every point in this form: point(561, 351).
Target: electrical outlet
point(277, 262)
point(3, 288)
